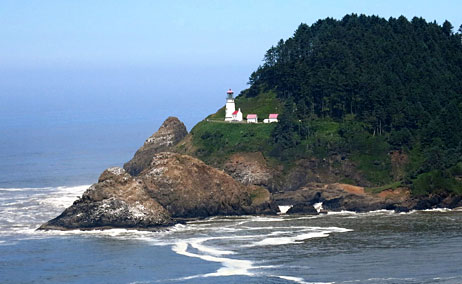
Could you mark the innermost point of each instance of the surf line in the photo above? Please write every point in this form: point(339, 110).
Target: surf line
point(229, 267)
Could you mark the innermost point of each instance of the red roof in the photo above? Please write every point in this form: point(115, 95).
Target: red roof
point(273, 115)
point(230, 91)
point(249, 116)
point(235, 112)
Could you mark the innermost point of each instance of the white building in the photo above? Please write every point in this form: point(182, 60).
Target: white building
point(230, 107)
point(273, 117)
point(237, 115)
point(252, 118)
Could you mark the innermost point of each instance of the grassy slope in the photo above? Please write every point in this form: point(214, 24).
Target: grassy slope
point(262, 105)
point(214, 141)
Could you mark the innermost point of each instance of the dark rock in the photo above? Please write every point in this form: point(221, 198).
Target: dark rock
point(173, 187)
point(169, 134)
point(303, 209)
point(399, 209)
point(334, 197)
point(250, 169)
point(452, 201)
point(116, 201)
point(187, 187)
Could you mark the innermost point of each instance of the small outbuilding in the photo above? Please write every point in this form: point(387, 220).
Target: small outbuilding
point(252, 118)
point(273, 117)
point(237, 115)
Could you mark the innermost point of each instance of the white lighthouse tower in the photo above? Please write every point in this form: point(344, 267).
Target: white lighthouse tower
point(230, 107)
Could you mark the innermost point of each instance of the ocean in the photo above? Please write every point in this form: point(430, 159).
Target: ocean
point(49, 156)
point(344, 247)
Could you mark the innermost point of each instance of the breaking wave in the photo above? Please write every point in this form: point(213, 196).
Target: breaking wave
point(232, 242)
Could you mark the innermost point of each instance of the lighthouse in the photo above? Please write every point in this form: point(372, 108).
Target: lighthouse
point(230, 107)
point(231, 113)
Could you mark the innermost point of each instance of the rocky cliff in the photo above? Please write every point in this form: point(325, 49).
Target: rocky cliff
point(251, 169)
point(117, 201)
point(159, 188)
point(189, 188)
point(345, 197)
point(169, 134)
point(172, 187)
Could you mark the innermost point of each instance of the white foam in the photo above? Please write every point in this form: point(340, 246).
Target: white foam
point(381, 211)
point(27, 208)
point(300, 280)
point(25, 189)
point(437, 210)
point(197, 244)
point(304, 234)
point(289, 240)
point(266, 219)
point(230, 266)
point(284, 208)
point(343, 212)
point(318, 206)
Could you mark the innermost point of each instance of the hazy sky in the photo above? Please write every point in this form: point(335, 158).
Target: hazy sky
point(82, 33)
point(172, 54)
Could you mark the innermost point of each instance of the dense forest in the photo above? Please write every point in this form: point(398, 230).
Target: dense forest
point(385, 84)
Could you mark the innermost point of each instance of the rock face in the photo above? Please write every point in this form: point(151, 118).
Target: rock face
point(187, 187)
point(250, 169)
point(160, 188)
point(334, 197)
point(301, 208)
point(116, 201)
point(171, 188)
point(338, 197)
point(169, 134)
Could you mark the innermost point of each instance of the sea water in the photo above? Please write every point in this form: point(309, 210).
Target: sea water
point(48, 159)
point(375, 247)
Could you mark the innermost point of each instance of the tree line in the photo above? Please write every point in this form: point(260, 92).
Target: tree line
point(398, 78)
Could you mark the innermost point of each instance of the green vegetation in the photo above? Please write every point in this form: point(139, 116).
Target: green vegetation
point(373, 160)
point(215, 141)
point(259, 195)
point(435, 181)
point(362, 88)
point(262, 105)
point(393, 185)
point(382, 84)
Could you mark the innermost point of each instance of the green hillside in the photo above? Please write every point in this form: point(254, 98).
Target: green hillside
point(262, 105)
point(384, 94)
point(216, 141)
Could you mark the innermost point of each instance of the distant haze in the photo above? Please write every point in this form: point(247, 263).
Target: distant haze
point(180, 55)
point(83, 83)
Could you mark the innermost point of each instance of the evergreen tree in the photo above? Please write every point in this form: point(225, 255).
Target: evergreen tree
point(399, 79)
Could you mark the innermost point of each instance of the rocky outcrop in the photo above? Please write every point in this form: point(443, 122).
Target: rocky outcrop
point(171, 188)
point(116, 201)
point(343, 197)
point(160, 188)
point(169, 134)
point(431, 201)
point(187, 187)
point(334, 197)
point(302, 208)
point(330, 170)
point(250, 169)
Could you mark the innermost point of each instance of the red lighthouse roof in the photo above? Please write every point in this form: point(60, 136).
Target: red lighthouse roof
point(235, 112)
point(230, 91)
